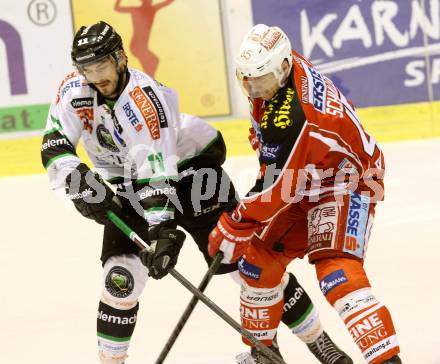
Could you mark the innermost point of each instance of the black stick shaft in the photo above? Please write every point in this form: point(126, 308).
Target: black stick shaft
point(222, 314)
point(189, 309)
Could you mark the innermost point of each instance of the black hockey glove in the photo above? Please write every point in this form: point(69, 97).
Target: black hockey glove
point(166, 243)
point(89, 193)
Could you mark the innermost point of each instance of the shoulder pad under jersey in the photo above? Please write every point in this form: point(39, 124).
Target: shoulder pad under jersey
point(73, 89)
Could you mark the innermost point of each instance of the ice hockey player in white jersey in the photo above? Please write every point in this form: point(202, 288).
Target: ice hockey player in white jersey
point(166, 171)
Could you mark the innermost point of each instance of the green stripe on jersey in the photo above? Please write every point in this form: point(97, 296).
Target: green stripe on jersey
point(53, 159)
point(206, 147)
point(160, 209)
point(157, 179)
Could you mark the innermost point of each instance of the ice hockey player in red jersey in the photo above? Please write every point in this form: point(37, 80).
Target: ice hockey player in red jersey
point(320, 178)
point(157, 159)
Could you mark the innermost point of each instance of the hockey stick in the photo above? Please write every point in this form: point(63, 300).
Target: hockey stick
point(190, 308)
point(222, 314)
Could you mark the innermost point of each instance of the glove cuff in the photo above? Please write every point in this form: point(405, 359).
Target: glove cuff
point(82, 168)
point(154, 231)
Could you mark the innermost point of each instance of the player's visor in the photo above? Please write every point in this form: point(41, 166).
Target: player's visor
point(102, 66)
point(258, 87)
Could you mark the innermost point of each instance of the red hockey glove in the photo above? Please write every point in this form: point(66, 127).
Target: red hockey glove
point(230, 237)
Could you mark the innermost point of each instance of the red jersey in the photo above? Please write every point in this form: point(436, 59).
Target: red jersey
point(310, 144)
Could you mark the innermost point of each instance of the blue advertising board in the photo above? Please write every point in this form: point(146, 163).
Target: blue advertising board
point(377, 52)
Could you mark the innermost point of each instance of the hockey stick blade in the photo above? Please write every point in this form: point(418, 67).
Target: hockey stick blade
point(244, 358)
point(202, 297)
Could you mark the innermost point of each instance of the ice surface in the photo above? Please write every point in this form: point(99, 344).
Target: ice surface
point(50, 269)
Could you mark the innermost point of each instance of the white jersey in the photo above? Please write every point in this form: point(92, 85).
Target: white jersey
point(142, 137)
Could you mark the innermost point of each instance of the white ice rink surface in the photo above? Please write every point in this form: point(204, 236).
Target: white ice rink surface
point(49, 265)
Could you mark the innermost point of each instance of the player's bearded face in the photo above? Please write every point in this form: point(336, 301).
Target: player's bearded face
point(104, 75)
point(264, 87)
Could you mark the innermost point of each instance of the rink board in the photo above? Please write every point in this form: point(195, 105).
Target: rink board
point(385, 123)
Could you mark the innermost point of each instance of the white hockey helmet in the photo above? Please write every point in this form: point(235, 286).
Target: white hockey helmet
point(263, 51)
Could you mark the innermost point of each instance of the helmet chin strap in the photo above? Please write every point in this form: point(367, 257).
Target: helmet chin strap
point(123, 74)
point(123, 77)
point(283, 77)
